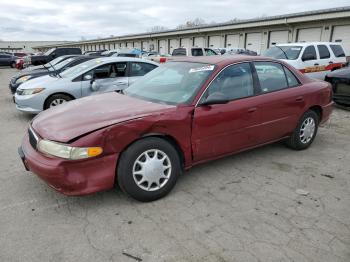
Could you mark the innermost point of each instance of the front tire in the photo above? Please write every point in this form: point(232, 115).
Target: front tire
point(56, 100)
point(305, 132)
point(148, 169)
point(13, 65)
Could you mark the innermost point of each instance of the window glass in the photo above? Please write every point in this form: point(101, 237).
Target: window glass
point(292, 80)
point(324, 52)
point(118, 70)
point(172, 83)
point(310, 53)
point(234, 82)
point(140, 69)
point(283, 52)
point(179, 52)
point(271, 76)
point(209, 52)
point(197, 52)
point(337, 50)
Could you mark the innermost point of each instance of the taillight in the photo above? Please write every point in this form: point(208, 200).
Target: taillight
point(162, 60)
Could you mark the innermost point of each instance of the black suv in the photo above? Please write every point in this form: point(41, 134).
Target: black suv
point(50, 55)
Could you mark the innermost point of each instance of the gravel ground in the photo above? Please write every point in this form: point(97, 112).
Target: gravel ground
point(241, 208)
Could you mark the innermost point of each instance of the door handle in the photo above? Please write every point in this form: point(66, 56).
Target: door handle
point(252, 110)
point(316, 64)
point(330, 62)
point(299, 99)
point(120, 83)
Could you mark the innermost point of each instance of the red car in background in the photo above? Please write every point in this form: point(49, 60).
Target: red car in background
point(19, 63)
point(181, 114)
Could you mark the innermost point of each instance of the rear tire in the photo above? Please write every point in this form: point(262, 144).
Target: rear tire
point(56, 100)
point(305, 132)
point(13, 64)
point(148, 169)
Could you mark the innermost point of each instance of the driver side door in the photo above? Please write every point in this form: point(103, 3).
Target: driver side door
point(105, 78)
point(220, 129)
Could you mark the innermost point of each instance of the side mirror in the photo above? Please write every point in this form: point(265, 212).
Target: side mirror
point(307, 57)
point(215, 99)
point(94, 86)
point(87, 77)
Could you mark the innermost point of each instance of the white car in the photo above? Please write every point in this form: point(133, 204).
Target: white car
point(314, 59)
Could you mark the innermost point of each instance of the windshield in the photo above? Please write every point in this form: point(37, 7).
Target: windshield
point(49, 51)
point(173, 83)
point(76, 70)
point(55, 61)
point(283, 52)
point(62, 64)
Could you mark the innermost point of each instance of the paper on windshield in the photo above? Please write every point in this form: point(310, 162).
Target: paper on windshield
point(201, 69)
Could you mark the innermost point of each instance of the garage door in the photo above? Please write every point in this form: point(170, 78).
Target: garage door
point(122, 45)
point(214, 41)
point(199, 41)
point(129, 44)
point(162, 47)
point(278, 37)
point(232, 41)
point(342, 34)
point(253, 42)
point(137, 45)
point(173, 43)
point(145, 45)
point(309, 34)
point(186, 42)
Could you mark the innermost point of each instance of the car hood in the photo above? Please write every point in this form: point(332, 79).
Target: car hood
point(32, 68)
point(33, 73)
point(88, 114)
point(42, 81)
point(340, 73)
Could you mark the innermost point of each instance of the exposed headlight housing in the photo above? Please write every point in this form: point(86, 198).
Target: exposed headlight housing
point(67, 152)
point(26, 92)
point(23, 79)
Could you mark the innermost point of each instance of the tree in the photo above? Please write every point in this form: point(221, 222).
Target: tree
point(194, 23)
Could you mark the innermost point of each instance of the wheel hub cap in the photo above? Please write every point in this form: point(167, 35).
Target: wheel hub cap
point(307, 130)
point(57, 102)
point(152, 170)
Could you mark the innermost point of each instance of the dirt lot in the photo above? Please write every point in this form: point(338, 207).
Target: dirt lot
point(240, 208)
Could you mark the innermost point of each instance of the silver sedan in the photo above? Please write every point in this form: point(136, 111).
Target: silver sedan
point(96, 76)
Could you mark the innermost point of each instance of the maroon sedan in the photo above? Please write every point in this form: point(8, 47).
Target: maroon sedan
point(184, 113)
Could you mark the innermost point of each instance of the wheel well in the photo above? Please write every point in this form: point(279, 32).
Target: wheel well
point(60, 93)
point(317, 110)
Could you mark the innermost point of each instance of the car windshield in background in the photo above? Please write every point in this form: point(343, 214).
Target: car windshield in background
point(61, 64)
point(55, 61)
point(173, 83)
point(283, 52)
point(48, 52)
point(76, 70)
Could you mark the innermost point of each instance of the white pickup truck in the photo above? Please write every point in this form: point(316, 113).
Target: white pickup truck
point(183, 51)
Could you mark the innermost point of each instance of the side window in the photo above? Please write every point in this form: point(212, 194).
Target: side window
point(102, 72)
point(291, 79)
point(323, 51)
point(271, 76)
point(337, 50)
point(3, 56)
point(234, 82)
point(197, 52)
point(209, 52)
point(140, 69)
point(309, 53)
point(118, 70)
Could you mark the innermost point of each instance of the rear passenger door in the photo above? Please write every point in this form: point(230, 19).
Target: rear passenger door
point(325, 61)
point(311, 63)
point(139, 69)
point(280, 100)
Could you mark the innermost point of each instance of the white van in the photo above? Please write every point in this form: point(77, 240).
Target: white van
point(314, 59)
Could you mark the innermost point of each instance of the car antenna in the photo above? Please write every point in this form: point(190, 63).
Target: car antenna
point(285, 54)
point(57, 73)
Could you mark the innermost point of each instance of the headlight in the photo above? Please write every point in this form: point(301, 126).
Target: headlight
point(26, 92)
point(22, 79)
point(67, 152)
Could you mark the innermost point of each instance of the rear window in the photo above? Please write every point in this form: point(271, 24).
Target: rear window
point(179, 52)
point(337, 50)
point(197, 52)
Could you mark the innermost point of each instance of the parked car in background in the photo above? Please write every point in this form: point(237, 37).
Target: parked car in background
point(183, 51)
point(21, 54)
point(48, 64)
point(19, 63)
point(314, 59)
point(55, 70)
point(179, 115)
point(96, 76)
point(340, 80)
point(237, 51)
point(7, 60)
point(95, 53)
point(50, 55)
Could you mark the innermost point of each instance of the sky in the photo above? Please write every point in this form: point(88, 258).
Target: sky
point(76, 19)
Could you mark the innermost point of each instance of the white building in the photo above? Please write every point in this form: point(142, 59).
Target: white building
point(254, 34)
point(24, 46)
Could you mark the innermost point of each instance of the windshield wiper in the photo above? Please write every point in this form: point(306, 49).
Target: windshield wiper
point(56, 71)
point(285, 54)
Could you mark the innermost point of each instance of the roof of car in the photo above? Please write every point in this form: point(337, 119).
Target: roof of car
point(123, 59)
point(308, 43)
point(220, 59)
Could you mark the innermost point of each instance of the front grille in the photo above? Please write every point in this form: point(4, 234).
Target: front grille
point(33, 138)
